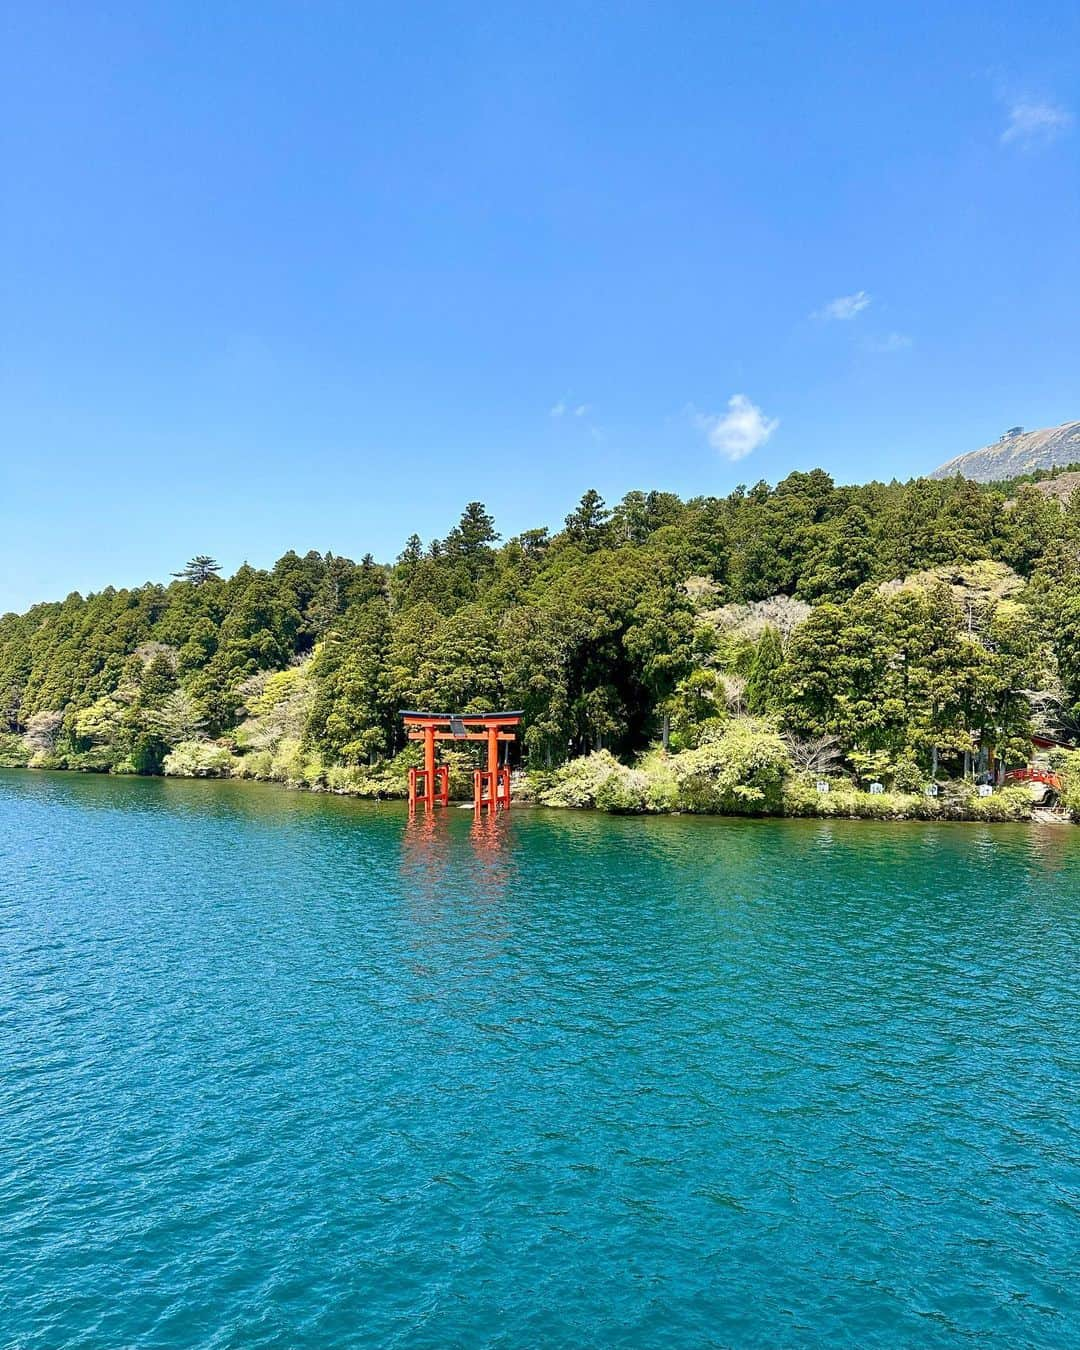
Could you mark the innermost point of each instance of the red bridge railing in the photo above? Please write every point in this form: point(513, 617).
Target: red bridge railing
point(1046, 776)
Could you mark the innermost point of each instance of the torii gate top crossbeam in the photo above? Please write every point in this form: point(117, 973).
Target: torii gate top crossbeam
point(420, 726)
point(490, 727)
point(477, 720)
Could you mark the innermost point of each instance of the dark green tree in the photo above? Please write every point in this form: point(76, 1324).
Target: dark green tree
point(201, 569)
point(586, 524)
point(764, 680)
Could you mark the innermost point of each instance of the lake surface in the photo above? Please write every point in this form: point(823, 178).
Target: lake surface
point(281, 1070)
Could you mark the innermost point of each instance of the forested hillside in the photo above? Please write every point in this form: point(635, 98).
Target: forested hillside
point(896, 627)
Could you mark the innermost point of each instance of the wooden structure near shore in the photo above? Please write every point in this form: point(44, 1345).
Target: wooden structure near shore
point(431, 784)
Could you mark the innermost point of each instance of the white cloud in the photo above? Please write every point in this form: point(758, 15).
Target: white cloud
point(1032, 120)
point(843, 307)
point(891, 342)
point(564, 409)
point(740, 430)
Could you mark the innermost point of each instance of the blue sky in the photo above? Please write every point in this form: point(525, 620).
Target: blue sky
point(315, 275)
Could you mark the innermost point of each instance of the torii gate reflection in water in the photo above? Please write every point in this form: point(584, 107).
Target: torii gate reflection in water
point(431, 784)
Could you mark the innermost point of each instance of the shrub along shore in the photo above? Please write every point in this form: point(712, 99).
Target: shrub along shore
point(758, 780)
point(746, 769)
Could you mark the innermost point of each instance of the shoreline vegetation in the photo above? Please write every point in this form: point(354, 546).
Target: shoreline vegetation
point(659, 784)
point(888, 651)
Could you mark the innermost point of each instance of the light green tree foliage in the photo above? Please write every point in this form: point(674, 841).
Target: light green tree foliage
point(1067, 766)
point(198, 759)
point(177, 718)
point(597, 780)
point(907, 774)
point(104, 721)
point(871, 766)
point(739, 769)
point(698, 706)
point(278, 704)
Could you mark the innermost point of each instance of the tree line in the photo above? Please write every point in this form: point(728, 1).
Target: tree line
point(899, 624)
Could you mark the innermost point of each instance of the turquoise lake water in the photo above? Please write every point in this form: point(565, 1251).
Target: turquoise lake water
point(281, 1070)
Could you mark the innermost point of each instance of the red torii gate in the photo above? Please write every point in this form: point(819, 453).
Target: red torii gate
point(431, 784)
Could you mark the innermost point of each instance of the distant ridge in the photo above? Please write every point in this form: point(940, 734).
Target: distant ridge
point(1017, 452)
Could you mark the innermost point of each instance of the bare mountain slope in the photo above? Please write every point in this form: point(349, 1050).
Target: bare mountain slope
point(1016, 453)
point(1062, 487)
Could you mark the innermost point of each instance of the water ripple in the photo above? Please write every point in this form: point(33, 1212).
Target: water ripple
point(281, 1071)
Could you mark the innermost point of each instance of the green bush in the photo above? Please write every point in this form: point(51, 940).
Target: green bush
point(46, 759)
point(661, 786)
point(908, 775)
point(342, 778)
point(198, 759)
point(532, 784)
point(258, 765)
point(623, 792)
point(13, 752)
point(1007, 803)
point(288, 763)
point(97, 759)
point(870, 766)
point(594, 780)
point(462, 766)
point(1067, 766)
point(741, 770)
point(375, 781)
point(389, 779)
point(845, 800)
point(958, 801)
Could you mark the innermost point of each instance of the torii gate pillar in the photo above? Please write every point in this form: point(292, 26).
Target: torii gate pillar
point(429, 754)
point(491, 786)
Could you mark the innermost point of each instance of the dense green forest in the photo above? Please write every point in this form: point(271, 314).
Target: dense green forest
point(894, 631)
